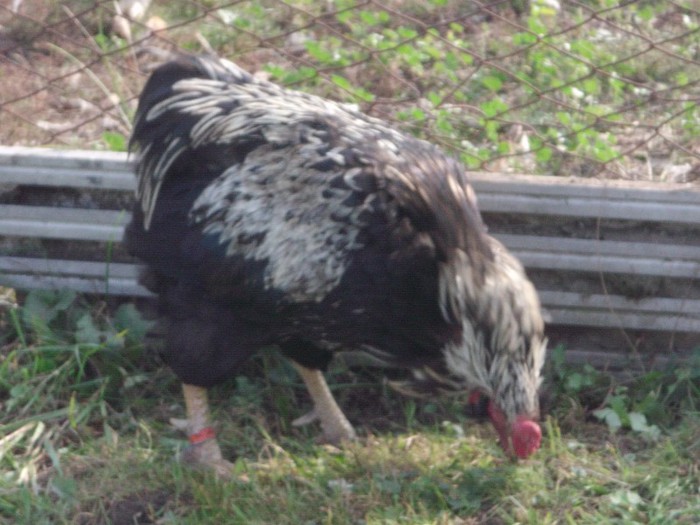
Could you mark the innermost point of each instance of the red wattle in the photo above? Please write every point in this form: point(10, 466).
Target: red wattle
point(474, 397)
point(498, 419)
point(527, 437)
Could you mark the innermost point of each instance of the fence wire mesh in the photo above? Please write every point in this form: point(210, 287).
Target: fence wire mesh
point(585, 88)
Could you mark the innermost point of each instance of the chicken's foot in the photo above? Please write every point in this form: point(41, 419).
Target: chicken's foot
point(203, 450)
point(336, 427)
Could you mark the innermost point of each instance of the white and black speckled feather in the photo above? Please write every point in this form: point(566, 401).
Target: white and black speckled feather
point(302, 219)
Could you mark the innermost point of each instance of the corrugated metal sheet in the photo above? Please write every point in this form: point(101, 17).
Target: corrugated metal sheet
point(666, 263)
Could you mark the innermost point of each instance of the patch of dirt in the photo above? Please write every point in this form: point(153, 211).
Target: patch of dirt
point(59, 86)
point(135, 509)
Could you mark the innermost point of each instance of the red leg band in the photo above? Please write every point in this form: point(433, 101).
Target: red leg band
point(203, 435)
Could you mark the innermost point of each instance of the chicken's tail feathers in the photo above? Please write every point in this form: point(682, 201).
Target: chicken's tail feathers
point(162, 129)
point(182, 67)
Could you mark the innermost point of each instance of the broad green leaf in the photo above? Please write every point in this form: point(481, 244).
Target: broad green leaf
point(543, 154)
point(341, 82)
point(492, 83)
point(127, 317)
point(87, 331)
point(610, 417)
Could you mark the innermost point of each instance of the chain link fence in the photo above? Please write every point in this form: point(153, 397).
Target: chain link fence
point(584, 88)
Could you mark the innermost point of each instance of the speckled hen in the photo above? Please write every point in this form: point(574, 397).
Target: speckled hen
point(270, 216)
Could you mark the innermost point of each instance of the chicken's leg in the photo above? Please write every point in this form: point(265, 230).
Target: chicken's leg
point(204, 450)
point(336, 427)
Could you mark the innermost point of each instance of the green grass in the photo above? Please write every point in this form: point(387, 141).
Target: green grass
point(85, 438)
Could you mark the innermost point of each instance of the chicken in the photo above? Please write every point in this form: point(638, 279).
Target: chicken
point(271, 216)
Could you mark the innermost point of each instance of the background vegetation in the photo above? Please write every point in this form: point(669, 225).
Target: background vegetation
point(590, 88)
point(584, 88)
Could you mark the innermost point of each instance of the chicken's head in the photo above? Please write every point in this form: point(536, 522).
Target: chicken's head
point(521, 437)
